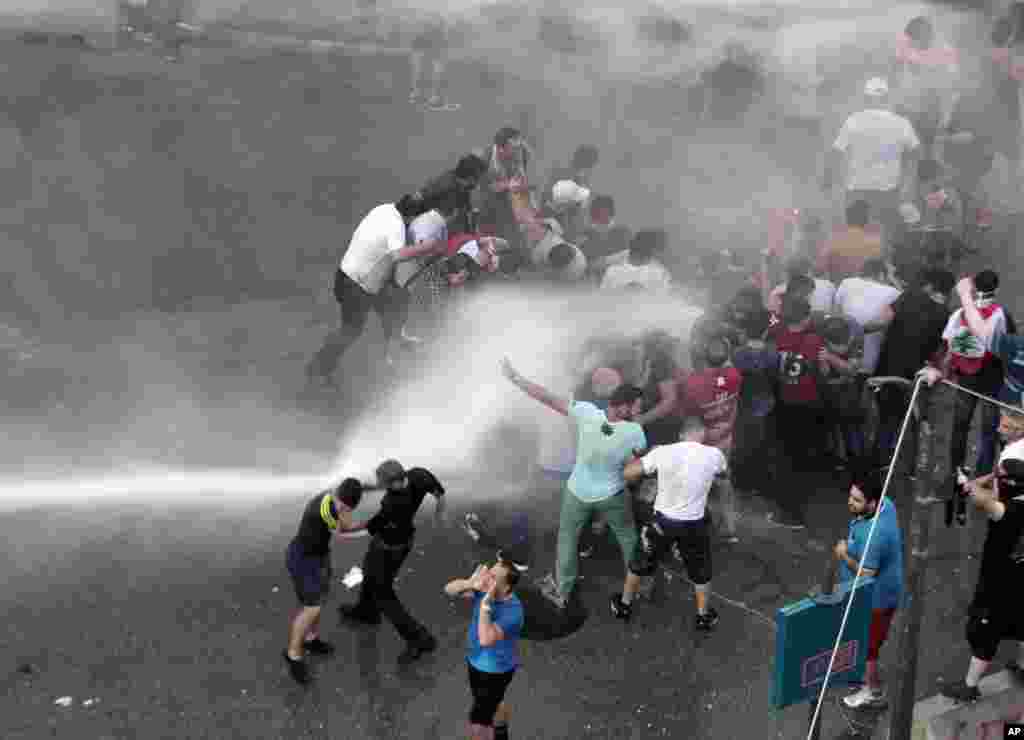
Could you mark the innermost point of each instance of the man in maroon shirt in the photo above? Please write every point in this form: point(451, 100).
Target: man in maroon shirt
point(713, 394)
point(799, 412)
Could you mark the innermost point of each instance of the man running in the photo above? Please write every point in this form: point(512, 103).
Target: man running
point(494, 632)
point(605, 442)
point(686, 472)
point(309, 564)
point(392, 530)
point(360, 282)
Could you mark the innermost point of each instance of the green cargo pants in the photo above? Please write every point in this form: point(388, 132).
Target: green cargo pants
point(576, 514)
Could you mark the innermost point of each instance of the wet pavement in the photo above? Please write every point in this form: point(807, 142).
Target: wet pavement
point(171, 620)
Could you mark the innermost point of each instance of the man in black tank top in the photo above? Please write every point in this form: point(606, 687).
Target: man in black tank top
point(393, 531)
point(309, 564)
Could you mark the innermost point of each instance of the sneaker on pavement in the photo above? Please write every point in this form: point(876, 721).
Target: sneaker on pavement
point(297, 668)
point(706, 622)
point(586, 551)
point(621, 610)
point(319, 647)
point(864, 698)
point(417, 649)
point(352, 614)
point(416, 97)
point(961, 693)
point(549, 590)
point(471, 523)
point(786, 522)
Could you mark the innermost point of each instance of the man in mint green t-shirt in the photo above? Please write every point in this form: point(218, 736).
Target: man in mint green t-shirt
point(605, 443)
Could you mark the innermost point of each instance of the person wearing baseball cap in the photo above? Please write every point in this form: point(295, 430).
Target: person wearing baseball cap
point(392, 531)
point(877, 151)
point(995, 613)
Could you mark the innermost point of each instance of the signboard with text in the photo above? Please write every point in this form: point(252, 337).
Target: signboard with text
point(805, 637)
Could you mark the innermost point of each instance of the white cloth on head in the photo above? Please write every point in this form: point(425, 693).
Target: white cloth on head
point(568, 193)
point(686, 472)
point(370, 258)
point(428, 227)
point(874, 142)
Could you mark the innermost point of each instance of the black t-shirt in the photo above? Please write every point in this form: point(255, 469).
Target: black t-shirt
point(913, 336)
point(394, 522)
point(998, 583)
point(445, 194)
point(314, 535)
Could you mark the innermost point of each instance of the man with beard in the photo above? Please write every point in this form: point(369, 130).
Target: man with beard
point(995, 613)
point(393, 531)
point(605, 443)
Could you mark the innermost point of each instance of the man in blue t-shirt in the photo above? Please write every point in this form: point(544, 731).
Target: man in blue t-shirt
point(492, 656)
point(605, 443)
point(883, 561)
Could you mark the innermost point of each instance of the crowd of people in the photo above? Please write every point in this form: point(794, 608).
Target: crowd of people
point(770, 383)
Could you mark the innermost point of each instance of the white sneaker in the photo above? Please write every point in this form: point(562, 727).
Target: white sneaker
point(863, 698)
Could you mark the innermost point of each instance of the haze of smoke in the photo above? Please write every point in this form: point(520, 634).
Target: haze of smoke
point(461, 418)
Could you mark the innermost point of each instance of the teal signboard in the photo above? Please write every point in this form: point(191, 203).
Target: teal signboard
point(806, 635)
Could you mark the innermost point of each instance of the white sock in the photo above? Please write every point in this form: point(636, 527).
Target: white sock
point(627, 599)
point(976, 671)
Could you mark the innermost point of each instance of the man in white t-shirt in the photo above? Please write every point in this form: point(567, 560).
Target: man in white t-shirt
point(878, 150)
point(361, 280)
point(642, 270)
point(865, 300)
point(686, 473)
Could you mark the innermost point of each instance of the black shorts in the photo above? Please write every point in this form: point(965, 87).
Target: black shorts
point(488, 692)
point(311, 576)
point(986, 628)
point(694, 540)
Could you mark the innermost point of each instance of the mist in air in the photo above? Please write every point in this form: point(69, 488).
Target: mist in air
point(613, 74)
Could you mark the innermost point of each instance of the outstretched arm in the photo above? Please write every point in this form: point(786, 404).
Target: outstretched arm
point(534, 390)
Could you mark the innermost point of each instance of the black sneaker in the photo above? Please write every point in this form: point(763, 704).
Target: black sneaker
point(297, 669)
point(351, 613)
point(319, 647)
point(706, 622)
point(415, 650)
point(586, 550)
point(961, 693)
point(619, 609)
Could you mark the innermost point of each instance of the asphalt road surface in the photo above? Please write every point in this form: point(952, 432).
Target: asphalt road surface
point(168, 617)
